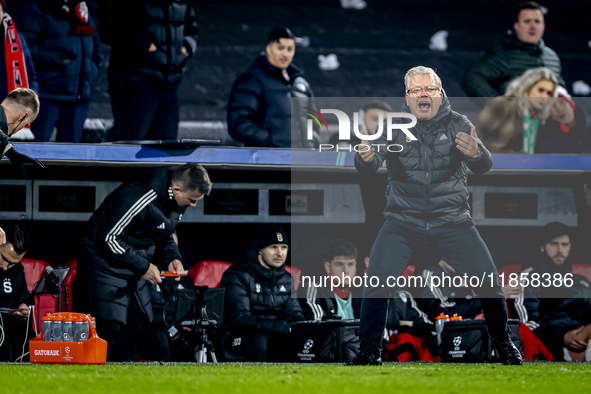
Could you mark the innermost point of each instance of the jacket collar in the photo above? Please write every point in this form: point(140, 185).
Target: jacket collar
point(510, 41)
point(444, 110)
point(263, 62)
point(265, 274)
point(160, 181)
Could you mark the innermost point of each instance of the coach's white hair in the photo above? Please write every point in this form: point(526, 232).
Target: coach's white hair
point(521, 87)
point(420, 70)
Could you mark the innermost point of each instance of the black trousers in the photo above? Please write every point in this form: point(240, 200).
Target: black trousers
point(142, 111)
point(398, 243)
point(14, 338)
point(122, 339)
point(261, 346)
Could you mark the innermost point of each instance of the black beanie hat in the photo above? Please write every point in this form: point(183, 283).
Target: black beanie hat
point(553, 230)
point(270, 234)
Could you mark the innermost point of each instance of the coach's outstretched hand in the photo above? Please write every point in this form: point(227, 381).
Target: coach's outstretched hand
point(20, 159)
point(365, 150)
point(467, 143)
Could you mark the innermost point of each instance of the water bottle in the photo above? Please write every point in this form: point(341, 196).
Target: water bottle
point(439, 322)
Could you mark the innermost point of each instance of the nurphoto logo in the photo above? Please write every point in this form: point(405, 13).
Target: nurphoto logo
point(345, 129)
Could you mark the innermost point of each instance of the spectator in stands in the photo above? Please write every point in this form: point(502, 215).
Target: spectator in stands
point(66, 52)
point(13, 291)
point(18, 110)
point(565, 131)
point(18, 68)
point(258, 304)
point(519, 51)
point(345, 301)
point(126, 243)
point(259, 111)
point(556, 310)
point(510, 124)
point(151, 42)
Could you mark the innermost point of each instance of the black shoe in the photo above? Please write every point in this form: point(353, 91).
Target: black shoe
point(365, 358)
point(508, 352)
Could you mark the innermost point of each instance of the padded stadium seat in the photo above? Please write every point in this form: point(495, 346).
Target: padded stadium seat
point(582, 269)
point(209, 273)
point(44, 303)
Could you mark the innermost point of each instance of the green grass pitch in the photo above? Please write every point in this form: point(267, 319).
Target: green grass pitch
point(411, 378)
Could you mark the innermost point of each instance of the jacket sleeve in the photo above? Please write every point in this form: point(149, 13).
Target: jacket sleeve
point(292, 311)
point(482, 163)
point(311, 308)
point(237, 308)
point(371, 167)
point(244, 104)
point(483, 78)
point(528, 305)
point(128, 215)
point(31, 73)
point(170, 251)
point(191, 30)
point(32, 27)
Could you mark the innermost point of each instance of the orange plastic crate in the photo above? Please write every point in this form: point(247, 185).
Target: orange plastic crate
point(91, 351)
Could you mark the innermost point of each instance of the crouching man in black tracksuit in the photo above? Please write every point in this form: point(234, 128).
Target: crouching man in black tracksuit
point(258, 306)
point(131, 230)
point(428, 210)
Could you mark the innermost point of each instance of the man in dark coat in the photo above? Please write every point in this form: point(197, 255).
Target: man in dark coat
point(258, 304)
point(260, 108)
point(18, 110)
point(151, 41)
point(13, 291)
point(556, 303)
point(519, 51)
point(127, 241)
point(428, 210)
point(66, 53)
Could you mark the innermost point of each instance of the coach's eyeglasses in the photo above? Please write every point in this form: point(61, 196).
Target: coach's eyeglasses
point(430, 90)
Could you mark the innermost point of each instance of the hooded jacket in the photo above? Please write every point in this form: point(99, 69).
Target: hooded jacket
point(491, 75)
point(259, 110)
point(135, 222)
point(67, 64)
point(427, 180)
point(134, 25)
point(259, 299)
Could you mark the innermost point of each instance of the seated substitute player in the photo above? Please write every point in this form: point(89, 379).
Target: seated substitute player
point(258, 305)
point(428, 209)
point(13, 291)
point(555, 308)
point(345, 301)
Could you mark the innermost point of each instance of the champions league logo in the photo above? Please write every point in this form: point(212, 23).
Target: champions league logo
point(345, 128)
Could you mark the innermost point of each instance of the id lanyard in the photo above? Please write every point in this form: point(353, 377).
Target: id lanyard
point(530, 132)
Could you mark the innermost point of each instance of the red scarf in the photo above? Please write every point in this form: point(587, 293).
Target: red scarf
point(16, 69)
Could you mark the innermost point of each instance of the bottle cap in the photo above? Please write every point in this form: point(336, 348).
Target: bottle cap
point(455, 317)
point(442, 316)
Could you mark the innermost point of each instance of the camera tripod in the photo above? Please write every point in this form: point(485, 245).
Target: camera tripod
point(205, 347)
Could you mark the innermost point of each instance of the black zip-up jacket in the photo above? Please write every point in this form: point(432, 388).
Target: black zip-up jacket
point(134, 223)
point(136, 24)
point(427, 180)
point(67, 64)
point(491, 75)
point(13, 287)
point(259, 299)
point(259, 110)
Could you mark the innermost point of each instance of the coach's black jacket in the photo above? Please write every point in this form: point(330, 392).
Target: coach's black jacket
point(259, 111)
point(427, 180)
point(121, 238)
point(13, 287)
point(259, 299)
